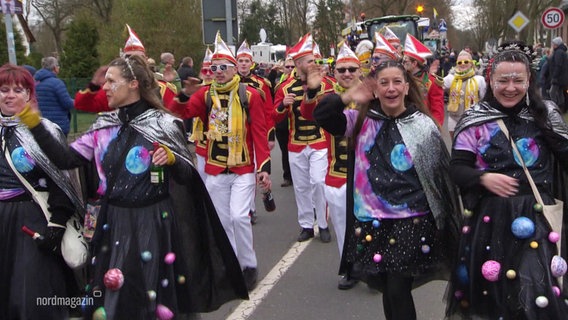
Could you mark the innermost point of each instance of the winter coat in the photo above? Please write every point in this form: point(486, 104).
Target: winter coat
point(53, 99)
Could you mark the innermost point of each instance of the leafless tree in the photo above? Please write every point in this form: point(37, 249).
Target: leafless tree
point(56, 14)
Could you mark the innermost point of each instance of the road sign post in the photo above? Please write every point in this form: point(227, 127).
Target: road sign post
point(219, 15)
point(552, 18)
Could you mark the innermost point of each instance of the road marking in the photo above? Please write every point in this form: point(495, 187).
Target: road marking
point(247, 307)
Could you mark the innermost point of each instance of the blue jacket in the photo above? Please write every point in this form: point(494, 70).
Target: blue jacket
point(53, 99)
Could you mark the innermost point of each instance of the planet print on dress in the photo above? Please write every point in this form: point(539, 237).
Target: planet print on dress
point(522, 227)
point(137, 160)
point(490, 270)
point(400, 158)
point(22, 160)
point(529, 151)
point(558, 266)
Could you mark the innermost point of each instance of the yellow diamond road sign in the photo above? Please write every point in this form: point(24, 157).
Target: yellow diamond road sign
point(518, 21)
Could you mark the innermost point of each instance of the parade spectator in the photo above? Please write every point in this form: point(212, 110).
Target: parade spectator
point(506, 263)
point(544, 74)
point(558, 70)
point(238, 157)
point(307, 146)
point(401, 204)
point(464, 89)
point(168, 71)
point(185, 69)
point(93, 99)
point(154, 237)
point(31, 268)
point(53, 98)
point(414, 60)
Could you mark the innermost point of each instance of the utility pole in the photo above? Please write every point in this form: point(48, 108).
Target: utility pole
point(10, 38)
point(229, 22)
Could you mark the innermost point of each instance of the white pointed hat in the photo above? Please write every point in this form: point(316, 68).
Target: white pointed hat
point(316, 51)
point(133, 43)
point(346, 55)
point(384, 47)
point(415, 49)
point(222, 51)
point(303, 48)
point(244, 50)
point(390, 36)
point(207, 57)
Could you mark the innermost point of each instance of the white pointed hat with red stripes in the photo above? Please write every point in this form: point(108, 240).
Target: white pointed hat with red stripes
point(244, 51)
point(416, 49)
point(384, 47)
point(133, 43)
point(222, 51)
point(346, 55)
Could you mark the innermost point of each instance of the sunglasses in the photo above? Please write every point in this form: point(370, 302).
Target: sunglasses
point(289, 67)
point(350, 69)
point(466, 62)
point(206, 71)
point(376, 59)
point(222, 67)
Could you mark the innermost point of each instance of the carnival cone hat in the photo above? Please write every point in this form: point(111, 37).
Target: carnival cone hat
point(222, 51)
point(303, 48)
point(384, 47)
point(415, 49)
point(390, 36)
point(133, 44)
point(207, 57)
point(244, 50)
point(316, 51)
point(346, 55)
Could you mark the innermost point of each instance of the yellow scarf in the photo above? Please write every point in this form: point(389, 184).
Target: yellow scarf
point(228, 123)
point(197, 130)
point(197, 127)
point(471, 95)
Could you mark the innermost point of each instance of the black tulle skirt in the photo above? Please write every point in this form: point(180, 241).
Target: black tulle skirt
point(31, 280)
point(411, 247)
point(523, 286)
point(141, 244)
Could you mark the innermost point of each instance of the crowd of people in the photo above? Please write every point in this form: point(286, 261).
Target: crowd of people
point(362, 143)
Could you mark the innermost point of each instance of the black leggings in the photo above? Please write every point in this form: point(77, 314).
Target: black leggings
point(397, 298)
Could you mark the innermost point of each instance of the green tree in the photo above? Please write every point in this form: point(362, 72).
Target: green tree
point(259, 16)
point(80, 57)
point(328, 24)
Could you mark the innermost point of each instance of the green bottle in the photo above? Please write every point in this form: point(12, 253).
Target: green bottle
point(156, 172)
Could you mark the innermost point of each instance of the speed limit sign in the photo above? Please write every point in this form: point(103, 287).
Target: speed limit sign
point(552, 18)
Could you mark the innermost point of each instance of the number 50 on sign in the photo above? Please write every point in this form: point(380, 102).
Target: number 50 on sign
point(552, 18)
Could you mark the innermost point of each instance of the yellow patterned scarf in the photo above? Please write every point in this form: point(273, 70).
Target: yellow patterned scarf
point(228, 123)
point(471, 95)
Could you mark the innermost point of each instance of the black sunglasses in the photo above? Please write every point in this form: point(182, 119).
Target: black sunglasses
point(221, 67)
point(289, 67)
point(350, 69)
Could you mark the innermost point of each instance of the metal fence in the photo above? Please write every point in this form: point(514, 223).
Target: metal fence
point(74, 85)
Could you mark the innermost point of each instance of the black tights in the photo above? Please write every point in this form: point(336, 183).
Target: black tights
point(397, 298)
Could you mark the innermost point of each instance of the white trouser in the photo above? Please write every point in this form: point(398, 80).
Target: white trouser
point(308, 169)
point(201, 167)
point(337, 203)
point(231, 194)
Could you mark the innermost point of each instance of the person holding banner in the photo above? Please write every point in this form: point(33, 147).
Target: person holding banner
point(509, 264)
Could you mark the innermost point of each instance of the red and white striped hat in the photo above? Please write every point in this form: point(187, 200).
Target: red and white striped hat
point(222, 51)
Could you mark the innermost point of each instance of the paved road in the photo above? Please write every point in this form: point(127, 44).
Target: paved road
point(299, 280)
